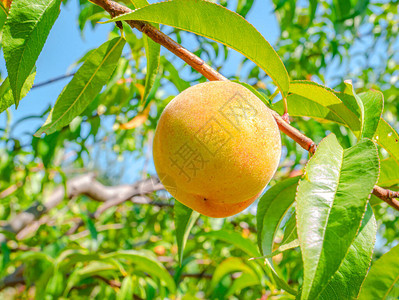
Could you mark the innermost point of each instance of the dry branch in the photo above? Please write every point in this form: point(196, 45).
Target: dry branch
point(115, 9)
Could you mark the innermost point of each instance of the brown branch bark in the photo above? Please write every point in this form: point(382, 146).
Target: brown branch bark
point(390, 197)
point(115, 9)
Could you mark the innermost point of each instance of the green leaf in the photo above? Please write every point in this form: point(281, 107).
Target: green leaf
point(185, 219)
point(361, 113)
point(174, 75)
point(243, 7)
point(389, 172)
point(272, 207)
point(341, 9)
point(42, 282)
point(152, 50)
point(126, 291)
point(261, 96)
point(346, 282)
point(312, 10)
point(388, 138)
point(24, 34)
point(373, 102)
point(299, 106)
point(143, 261)
point(67, 259)
point(84, 86)
point(45, 148)
point(228, 266)
point(139, 3)
point(3, 16)
point(91, 226)
point(55, 284)
point(352, 101)
point(219, 24)
point(245, 280)
point(153, 56)
point(314, 92)
point(382, 281)
point(5, 251)
point(290, 231)
point(34, 256)
point(305, 106)
point(236, 239)
point(277, 278)
point(331, 200)
point(91, 269)
point(6, 97)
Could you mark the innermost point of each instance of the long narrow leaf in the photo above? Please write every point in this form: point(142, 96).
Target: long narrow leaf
point(153, 56)
point(24, 34)
point(331, 200)
point(346, 282)
point(228, 266)
point(185, 219)
point(271, 209)
point(389, 172)
point(147, 264)
point(327, 98)
point(84, 86)
point(300, 106)
point(382, 282)
point(235, 239)
point(373, 102)
point(387, 137)
point(6, 97)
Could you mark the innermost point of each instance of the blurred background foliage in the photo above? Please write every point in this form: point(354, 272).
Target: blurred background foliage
point(131, 248)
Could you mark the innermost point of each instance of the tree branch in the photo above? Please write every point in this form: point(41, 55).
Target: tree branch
point(142, 187)
point(390, 197)
point(115, 9)
point(55, 79)
point(84, 185)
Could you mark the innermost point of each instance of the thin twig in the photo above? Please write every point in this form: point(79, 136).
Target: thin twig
point(52, 80)
point(11, 189)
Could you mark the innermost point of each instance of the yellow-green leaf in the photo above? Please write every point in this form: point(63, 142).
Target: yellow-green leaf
point(382, 281)
point(84, 86)
point(153, 56)
point(24, 34)
point(331, 200)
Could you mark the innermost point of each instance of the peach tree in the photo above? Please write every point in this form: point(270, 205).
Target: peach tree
point(73, 228)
